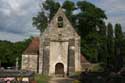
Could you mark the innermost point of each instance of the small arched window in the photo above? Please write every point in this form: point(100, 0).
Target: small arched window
point(60, 22)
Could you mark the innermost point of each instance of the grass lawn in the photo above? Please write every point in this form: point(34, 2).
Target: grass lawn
point(41, 79)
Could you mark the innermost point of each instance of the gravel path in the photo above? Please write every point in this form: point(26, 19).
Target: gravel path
point(61, 80)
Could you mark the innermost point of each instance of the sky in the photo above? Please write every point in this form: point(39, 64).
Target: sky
point(16, 16)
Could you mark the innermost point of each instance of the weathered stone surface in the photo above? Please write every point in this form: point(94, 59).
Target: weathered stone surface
point(64, 45)
point(71, 60)
point(46, 54)
point(77, 55)
point(71, 57)
point(29, 62)
point(58, 54)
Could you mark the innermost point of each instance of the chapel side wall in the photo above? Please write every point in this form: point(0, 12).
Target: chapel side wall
point(29, 62)
point(24, 64)
point(33, 63)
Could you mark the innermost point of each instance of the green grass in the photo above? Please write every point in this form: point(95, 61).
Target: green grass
point(41, 79)
point(96, 68)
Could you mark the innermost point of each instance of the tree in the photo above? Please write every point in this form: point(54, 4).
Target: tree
point(119, 43)
point(40, 21)
point(48, 10)
point(118, 32)
point(110, 38)
point(89, 18)
point(110, 46)
point(5, 47)
point(118, 37)
point(69, 7)
point(91, 27)
point(9, 51)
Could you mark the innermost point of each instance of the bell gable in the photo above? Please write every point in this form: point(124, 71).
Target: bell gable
point(60, 28)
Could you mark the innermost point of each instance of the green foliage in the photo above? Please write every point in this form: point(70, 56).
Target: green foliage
point(110, 31)
point(91, 10)
point(118, 31)
point(119, 47)
point(48, 10)
point(110, 38)
point(92, 29)
point(51, 6)
point(89, 18)
point(5, 48)
point(40, 21)
point(69, 7)
point(10, 51)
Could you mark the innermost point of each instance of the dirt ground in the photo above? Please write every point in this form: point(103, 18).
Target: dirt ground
point(61, 80)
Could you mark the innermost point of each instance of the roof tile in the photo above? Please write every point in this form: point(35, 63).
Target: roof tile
point(33, 47)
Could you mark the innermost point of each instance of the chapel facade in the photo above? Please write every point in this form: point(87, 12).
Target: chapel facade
point(57, 51)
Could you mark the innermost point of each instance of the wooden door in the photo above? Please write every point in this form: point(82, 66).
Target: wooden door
point(59, 69)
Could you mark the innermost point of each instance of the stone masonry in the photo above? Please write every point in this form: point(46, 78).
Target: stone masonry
point(59, 48)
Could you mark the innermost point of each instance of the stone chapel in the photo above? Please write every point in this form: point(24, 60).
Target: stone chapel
point(56, 51)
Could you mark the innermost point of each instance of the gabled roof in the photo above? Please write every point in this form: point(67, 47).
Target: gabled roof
point(33, 47)
point(83, 59)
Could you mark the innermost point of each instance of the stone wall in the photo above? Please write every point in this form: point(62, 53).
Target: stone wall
point(58, 54)
point(46, 60)
point(77, 55)
point(71, 57)
point(29, 62)
point(63, 47)
point(41, 56)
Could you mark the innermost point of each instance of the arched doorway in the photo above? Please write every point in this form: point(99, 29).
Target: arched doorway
point(59, 69)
